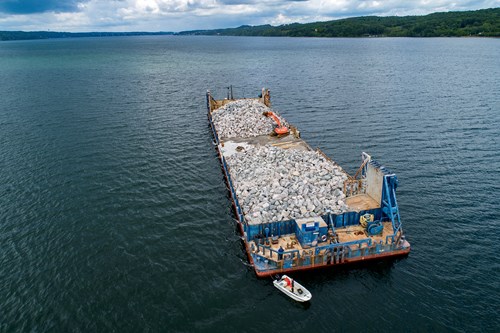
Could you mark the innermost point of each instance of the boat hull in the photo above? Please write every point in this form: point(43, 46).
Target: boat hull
point(300, 294)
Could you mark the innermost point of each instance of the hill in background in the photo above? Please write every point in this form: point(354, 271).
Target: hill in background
point(484, 22)
point(479, 23)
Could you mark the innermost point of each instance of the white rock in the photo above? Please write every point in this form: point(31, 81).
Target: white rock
point(285, 188)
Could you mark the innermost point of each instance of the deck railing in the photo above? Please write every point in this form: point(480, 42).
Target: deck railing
point(267, 258)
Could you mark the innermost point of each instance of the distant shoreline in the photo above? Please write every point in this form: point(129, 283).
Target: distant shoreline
point(478, 23)
point(184, 35)
point(34, 35)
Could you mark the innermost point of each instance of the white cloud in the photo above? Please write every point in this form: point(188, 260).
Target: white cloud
point(176, 15)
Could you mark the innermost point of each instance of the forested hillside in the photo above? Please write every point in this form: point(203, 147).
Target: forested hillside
point(479, 23)
point(485, 22)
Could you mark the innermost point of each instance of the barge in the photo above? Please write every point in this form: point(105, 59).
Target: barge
point(296, 209)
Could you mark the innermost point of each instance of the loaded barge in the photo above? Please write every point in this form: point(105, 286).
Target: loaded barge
point(296, 209)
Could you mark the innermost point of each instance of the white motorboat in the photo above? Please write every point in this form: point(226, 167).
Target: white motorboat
point(292, 289)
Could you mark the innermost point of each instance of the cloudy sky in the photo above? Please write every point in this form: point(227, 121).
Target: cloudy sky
point(178, 15)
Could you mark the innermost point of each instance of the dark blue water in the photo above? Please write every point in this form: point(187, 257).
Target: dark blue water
point(114, 215)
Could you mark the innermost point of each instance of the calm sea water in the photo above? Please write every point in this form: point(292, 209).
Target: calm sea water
point(114, 215)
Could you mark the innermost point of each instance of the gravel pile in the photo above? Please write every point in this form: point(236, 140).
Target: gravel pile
point(275, 184)
point(243, 119)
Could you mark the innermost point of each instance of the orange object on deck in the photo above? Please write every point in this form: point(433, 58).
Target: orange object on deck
point(280, 129)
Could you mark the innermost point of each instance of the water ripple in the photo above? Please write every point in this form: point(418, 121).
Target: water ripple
point(114, 215)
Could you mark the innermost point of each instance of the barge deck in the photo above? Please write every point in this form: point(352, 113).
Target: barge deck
point(357, 219)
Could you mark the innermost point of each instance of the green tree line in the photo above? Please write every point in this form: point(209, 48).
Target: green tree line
point(484, 22)
point(26, 35)
point(481, 23)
